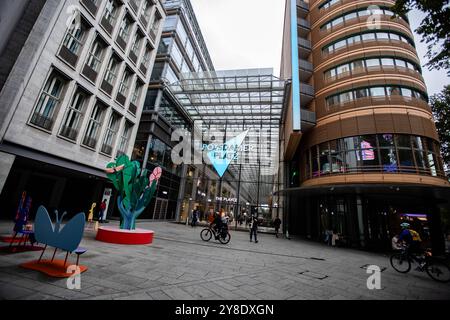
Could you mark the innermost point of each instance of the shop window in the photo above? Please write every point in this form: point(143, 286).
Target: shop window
point(388, 159)
point(406, 157)
point(324, 158)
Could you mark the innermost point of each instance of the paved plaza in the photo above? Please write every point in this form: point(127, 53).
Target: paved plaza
point(179, 265)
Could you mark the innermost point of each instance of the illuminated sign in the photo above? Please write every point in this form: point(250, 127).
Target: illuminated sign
point(221, 155)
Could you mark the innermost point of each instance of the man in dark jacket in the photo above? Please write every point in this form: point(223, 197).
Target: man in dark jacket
point(277, 224)
point(253, 228)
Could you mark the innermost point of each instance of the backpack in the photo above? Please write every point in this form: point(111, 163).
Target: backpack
point(415, 235)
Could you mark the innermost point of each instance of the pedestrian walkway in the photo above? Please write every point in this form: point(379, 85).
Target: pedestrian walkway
point(179, 265)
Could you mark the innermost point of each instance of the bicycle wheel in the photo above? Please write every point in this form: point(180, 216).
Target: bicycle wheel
point(400, 263)
point(206, 234)
point(226, 239)
point(438, 271)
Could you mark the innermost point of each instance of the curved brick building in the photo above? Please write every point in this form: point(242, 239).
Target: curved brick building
point(361, 150)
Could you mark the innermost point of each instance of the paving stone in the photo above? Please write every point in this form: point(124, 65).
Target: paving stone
point(181, 266)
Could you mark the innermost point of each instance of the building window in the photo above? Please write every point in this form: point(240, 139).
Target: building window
point(361, 13)
point(74, 115)
point(328, 4)
point(147, 56)
point(96, 55)
point(124, 139)
point(369, 64)
point(94, 126)
point(376, 92)
point(146, 12)
point(136, 93)
point(111, 71)
point(110, 134)
point(124, 31)
point(155, 25)
point(125, 83)
point(74, 38)
point(44, 113)
point(136, 46)
point(387, 153)
point(111, 10)
point(365, 37)
point(157, 71)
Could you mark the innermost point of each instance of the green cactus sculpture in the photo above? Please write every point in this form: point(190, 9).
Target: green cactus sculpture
point(136, 188)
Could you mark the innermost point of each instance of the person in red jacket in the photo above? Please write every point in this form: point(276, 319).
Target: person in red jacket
point(102, 210)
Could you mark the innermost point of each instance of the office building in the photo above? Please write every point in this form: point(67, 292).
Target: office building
point(360, 148)
point(73, 81)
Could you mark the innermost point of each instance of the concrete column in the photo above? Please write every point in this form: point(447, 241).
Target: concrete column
point(6, 162)
point(359, 211)
point(57, 192)
point(181, 192)
point(193, 194)
point(437, 234)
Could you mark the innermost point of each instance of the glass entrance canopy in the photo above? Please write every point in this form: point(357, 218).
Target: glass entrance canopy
point(232, 102)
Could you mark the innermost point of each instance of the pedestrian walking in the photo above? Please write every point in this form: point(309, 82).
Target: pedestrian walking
point(194, 217)
point(254, 228)
point(102, 210)
point(277, 224)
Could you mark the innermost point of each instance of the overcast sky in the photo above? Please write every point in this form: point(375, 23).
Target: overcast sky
point(243, 34)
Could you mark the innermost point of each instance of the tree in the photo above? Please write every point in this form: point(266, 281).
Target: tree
point(434, 29)
point(440, 105)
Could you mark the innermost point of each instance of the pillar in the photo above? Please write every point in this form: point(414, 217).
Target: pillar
point(6, 163)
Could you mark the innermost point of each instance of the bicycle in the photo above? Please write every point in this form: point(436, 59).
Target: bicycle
point(223, 236)
point(437, 269)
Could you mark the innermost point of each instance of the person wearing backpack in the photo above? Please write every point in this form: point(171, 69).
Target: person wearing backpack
point(410, 237)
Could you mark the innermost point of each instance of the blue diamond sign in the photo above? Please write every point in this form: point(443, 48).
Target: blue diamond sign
point(222, 155)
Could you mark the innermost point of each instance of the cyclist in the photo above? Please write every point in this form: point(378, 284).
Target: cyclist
point(411, 239)
point(217, 223)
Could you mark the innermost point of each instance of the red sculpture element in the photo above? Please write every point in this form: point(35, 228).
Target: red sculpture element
point(124, 236)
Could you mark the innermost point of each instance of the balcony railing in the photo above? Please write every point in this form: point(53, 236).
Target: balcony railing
point(69, 132)
point(106, 149)
point(304, 43)
point(42, 121)
point(388, 168)
point(303, 23)
point(90, 142)
point(306, 89)
point(305, 65)
point(303, 5)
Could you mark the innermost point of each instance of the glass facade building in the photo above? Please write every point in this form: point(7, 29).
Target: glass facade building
point(181, 49)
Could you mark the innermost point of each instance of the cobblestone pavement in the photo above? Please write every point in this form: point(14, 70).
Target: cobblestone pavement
point(179, 265)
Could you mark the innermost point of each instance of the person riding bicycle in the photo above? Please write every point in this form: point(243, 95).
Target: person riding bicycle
point(411, 238)
point(217, 223)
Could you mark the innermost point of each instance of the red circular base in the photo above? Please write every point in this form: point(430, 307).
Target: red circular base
point(121, 236)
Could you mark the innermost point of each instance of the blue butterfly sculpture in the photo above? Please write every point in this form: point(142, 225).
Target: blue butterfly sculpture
point(67, 238)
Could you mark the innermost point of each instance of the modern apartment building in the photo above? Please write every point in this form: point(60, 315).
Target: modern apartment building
point(360, 148)
point(73, 80)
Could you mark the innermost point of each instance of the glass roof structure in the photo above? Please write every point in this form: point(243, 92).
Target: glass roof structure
point(232, 102)
point(250, 94)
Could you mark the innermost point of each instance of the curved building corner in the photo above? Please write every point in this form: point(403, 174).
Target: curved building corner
point(370, 157)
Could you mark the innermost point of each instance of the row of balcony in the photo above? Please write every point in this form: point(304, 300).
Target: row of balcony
point(308, 118)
